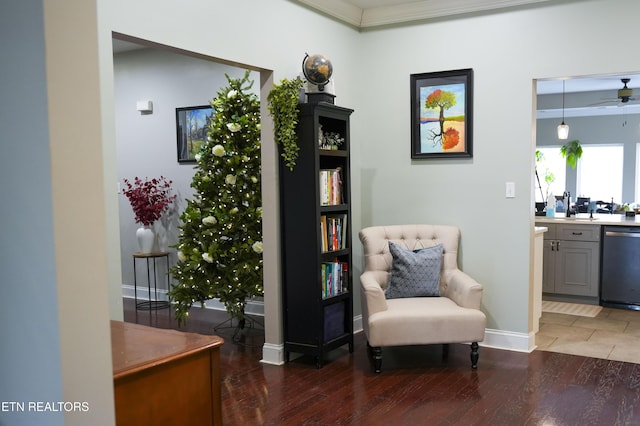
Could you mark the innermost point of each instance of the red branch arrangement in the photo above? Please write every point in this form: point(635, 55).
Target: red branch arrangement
point(149, 198)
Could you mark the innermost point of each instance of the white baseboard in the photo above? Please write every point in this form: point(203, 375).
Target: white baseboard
point(496, 339)
point(509, 340)
point(272, 354)
point(357, 324)
point(142, 293)
point(253, 307)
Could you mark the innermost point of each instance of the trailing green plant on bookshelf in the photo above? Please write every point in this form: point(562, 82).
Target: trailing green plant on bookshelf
point(283, 106)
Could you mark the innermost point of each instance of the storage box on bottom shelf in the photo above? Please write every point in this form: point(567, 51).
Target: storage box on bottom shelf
point(334, 321)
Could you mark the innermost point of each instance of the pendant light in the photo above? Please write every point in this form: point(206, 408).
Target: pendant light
point(563, 129)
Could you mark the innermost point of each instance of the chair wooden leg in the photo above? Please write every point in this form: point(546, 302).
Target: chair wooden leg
point(445, 350)
point(474, 355)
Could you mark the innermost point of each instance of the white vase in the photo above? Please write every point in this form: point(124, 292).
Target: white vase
point(146, 238)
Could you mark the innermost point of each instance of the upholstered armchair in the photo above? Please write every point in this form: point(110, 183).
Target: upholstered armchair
point(451, 315)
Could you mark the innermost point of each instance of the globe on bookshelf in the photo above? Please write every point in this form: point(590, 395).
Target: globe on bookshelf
point(317, 69)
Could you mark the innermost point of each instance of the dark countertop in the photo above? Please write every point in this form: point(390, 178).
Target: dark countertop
point(598, 219)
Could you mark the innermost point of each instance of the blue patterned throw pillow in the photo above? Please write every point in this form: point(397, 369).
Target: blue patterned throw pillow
point(414, 273)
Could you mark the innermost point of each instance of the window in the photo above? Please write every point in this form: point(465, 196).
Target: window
point(551, 164)
point(600, 173)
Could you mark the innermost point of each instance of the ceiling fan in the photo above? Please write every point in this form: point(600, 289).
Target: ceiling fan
point(624, 95)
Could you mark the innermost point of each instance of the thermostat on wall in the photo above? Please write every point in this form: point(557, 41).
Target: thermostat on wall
point(144, 106)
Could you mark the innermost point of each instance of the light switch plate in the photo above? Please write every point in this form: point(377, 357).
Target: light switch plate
point(510, 190)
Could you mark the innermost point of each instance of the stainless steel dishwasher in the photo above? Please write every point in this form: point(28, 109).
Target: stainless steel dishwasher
point(620, 267)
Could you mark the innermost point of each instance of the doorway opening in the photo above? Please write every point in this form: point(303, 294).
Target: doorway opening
point(146, 144)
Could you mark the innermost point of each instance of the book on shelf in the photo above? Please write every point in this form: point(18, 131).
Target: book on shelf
point(324, 243)
point(333, 232)
point(331, 187)
point(335, 278)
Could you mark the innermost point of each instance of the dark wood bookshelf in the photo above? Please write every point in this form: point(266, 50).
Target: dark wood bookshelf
point(313, 323)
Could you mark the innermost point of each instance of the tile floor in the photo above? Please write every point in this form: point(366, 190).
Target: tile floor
point(614, 334)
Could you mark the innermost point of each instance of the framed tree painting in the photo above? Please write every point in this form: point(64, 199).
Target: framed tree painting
point(442, 114)
point(191, 127)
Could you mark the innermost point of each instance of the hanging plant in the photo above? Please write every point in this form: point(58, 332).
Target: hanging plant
point(572, 151)
point(283, 107)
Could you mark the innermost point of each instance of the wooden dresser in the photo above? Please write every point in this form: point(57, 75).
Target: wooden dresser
point(165, 377)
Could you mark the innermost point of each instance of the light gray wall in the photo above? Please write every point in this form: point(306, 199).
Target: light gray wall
point(614, 129)
point(146, 144)
point(508, 52)
point(29, 324)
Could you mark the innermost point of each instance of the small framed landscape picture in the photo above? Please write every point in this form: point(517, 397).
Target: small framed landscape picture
point(442, 114)
point(191, 127)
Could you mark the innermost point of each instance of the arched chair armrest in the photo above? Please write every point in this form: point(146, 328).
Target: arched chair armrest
point(372, 292)
point(463, 289)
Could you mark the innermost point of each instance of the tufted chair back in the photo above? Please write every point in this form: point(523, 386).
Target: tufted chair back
point(375, 241)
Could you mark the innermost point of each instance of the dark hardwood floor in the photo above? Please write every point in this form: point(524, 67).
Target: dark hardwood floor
point(416, 387)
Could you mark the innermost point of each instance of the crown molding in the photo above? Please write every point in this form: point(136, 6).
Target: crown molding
point(347, 11)
point(431, 9)
point(340, 9)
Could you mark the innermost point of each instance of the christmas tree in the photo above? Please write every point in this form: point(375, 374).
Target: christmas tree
point(220, 246)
